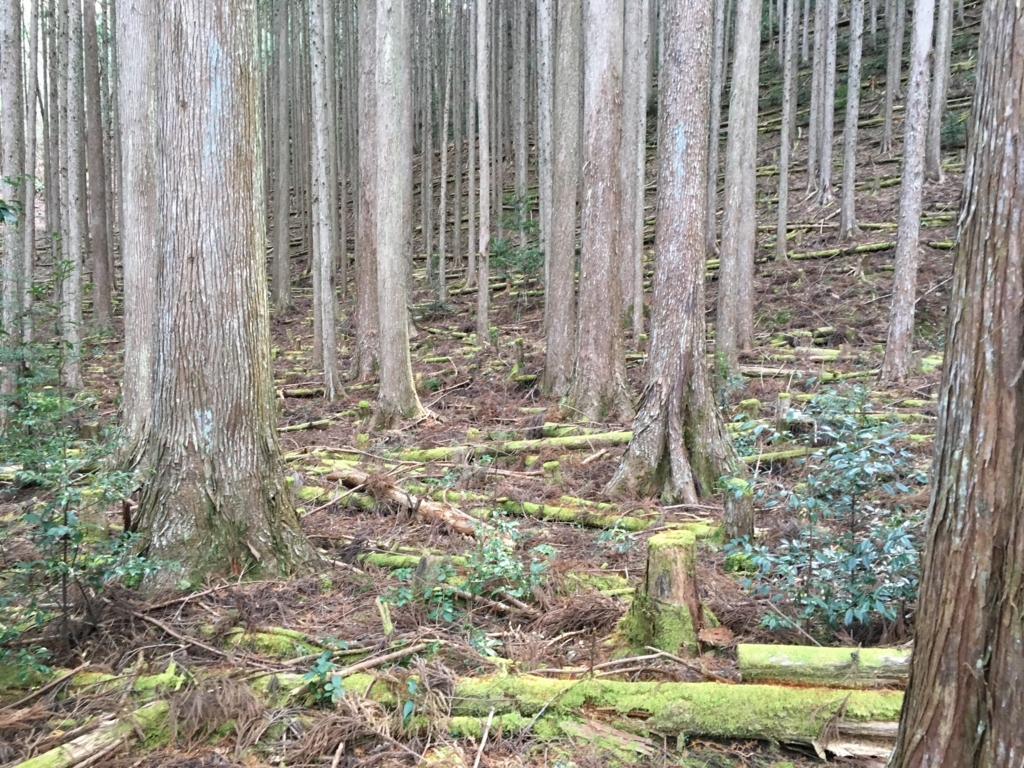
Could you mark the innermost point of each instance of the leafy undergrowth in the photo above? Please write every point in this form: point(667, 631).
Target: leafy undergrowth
point(839, 467)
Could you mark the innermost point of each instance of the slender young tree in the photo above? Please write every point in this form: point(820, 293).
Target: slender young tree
point(896, 363)
point(597, 390)
point(560, 296)
point(679, 447)
point(442, 208)
point(734, 325)
point(964, 703)
point(847, 210)
point(137, 82)
point(216, 501)
point(483, 94)
point(715, 126)
point(12, 170)
point(29, 226)
point(545, 150)
point(397, 396)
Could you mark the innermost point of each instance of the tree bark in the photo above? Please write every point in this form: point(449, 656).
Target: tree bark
point(29, 227)
point(545, 149)
point(282, 282)
point(99, 245)
point(137, 84)
point(828, 107)
point(715, 125)
point(679, 447)
point(896, 363)
point(442, 208)
point(367, 343)
point(483, 93)
point(397, 396)
point(597, 390)
point(965, 700)
point(940, 81)
point(895, 15)
point(12, 170)
point(785, 134)
point(216, 502)
point(734, 322)
point(848, 228)
point(560, 297)
point(324, 190)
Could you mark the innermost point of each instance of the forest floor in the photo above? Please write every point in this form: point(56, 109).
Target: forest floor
point(556, 609)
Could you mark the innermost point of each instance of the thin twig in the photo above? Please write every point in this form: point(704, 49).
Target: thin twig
point(693, 667)
point(483, 739)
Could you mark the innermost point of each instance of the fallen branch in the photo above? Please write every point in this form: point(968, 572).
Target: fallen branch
point(832, 667)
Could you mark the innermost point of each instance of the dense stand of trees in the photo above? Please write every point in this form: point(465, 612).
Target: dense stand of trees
point(176, 139)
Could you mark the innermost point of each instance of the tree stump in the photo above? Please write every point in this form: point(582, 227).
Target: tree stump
point(667, 613)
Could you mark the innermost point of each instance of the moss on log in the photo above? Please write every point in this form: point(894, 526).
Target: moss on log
point(832, 667)
point(509, 447)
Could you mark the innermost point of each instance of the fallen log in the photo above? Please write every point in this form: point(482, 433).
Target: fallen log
point(453, 518)
point(101, 743)
point(831, 667)
point(845, 723)
point(566, 442)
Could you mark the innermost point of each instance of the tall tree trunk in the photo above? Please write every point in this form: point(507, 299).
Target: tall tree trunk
point(828, 105)
point(442, 208)
point(397, 396)
point(560, 296)
point(472, 122)
point(29, 226)
point(75, 222)
point(734, 323)
point(786, 132)
point(99, 245)
point(896, 363)
point(483, 92)
point(137, 83)
point(367, 343)
point(817, 96)
point(680, 448)
point(216, 501)
point(940, 81)
point(545, 137)
point(964, 703)
point(520, 153)
point(325, 189)
point(895, 15)
point(847, 211)
point(12, 170)
point(715, 125)
point(282, 282)
point(597, 390)
point(633, 156)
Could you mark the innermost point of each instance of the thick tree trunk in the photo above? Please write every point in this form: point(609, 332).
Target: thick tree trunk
point(734, 322)
point(12, 169)
point(99, 245)
point(828, 107)
point(367, 342)
point(847, 211)
point(560, 297)
point(471, 136)
point(940, 80)
point(397, 396)
point(137, 83)
point(896, 363)
point(597, 390)
point(679, 447)
point(216, 502)
point(965, 702)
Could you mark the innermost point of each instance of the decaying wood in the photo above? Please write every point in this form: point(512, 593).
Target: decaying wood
point(455, 519)
point(831, 667)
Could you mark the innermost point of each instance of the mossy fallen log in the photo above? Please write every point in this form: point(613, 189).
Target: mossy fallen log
point(846, 723)
point(509, 447)
point(147, 722)
point(830, 667)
